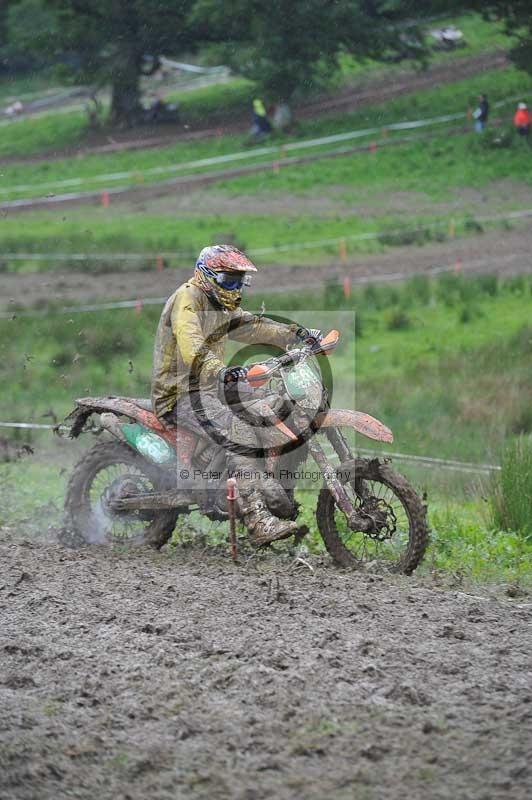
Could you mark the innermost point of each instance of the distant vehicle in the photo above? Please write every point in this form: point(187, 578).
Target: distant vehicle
point(14, 109)
point(448, 38)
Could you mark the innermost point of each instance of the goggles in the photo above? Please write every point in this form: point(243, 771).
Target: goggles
point(231, 280)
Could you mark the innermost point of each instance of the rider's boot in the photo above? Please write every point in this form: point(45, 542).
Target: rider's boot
point(263, 527)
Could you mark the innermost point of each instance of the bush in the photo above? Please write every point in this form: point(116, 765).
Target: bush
point(511, 497)
point(468, 313)
point(405, 238)
point(518, 284)
point(472, 225)
point(398, 320)
point(489, 284)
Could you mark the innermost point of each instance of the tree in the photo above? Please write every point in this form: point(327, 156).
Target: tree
point(30, 26)
point(517, 18)
point(286, 45)
point(108, 41)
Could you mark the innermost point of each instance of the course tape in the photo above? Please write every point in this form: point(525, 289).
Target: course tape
point(241, 155)
point(140, 302)
point(259, 251)
point(452, 464)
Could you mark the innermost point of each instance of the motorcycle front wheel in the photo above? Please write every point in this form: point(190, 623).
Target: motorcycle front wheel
point(399, 535)
point(108, 471)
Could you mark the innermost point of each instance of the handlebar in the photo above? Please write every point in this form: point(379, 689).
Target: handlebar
point(261, 372)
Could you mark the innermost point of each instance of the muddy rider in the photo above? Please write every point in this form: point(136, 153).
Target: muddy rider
point(189, 371)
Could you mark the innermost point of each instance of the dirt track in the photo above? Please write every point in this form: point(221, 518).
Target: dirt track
point(142, 675)
point(505, 252)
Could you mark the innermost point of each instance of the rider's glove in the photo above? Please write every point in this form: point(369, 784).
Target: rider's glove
point(310, 336)
point(232, 374)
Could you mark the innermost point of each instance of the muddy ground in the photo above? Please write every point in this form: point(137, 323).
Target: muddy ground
point(501, 252)
point(182, 676)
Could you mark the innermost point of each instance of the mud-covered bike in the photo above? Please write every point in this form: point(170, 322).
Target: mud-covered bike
point(126, 488)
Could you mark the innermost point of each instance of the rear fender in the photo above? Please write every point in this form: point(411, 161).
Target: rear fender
point(361, 422)
point(182, 440)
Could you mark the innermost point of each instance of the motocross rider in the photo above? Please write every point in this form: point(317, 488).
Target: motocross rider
point(189, 372)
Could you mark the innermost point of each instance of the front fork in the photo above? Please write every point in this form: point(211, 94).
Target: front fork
point(355, 520)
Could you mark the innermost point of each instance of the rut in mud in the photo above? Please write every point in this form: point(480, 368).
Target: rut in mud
point(137, 675)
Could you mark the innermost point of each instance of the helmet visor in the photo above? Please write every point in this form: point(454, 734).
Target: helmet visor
point(231, 280)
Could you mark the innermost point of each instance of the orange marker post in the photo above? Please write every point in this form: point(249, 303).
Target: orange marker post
point(159, 263)
point(138, 306)
point(231, 510)
point(105, 198)
point(458, 266)
point(347, 287)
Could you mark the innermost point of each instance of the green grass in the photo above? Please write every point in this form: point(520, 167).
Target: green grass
point(99, 231)
point(435, 169)
point(432, 381)
point(511, 495)
point(27, 87)
point(214, 103)
point(450, 98)
point(46, 133)
point(479, 37)
point(462, 544)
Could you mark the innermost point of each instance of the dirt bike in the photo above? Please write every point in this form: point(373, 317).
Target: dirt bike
point(125, 489)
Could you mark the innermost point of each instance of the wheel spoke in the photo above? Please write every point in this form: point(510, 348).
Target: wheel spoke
point(109, 526)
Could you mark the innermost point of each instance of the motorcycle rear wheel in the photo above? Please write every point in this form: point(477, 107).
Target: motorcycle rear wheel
point(380, 491)
point(109, 466)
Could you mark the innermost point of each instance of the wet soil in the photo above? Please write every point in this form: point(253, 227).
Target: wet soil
point(134, 675)
point(497, 251)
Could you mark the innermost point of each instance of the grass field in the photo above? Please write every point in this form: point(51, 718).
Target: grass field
point(422, 356)
point(91, 169)
point(183, 237)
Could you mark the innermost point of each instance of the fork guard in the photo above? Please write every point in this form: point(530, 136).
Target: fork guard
point(363, 423)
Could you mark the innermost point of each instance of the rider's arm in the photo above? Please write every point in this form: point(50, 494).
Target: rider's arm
point(255, 329)
point(190, 339)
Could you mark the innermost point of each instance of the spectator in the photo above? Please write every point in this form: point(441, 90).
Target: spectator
point(522, 120)
point(480, 114)
point(261, 123)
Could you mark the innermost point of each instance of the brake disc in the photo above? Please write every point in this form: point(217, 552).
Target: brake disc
point(382, 518)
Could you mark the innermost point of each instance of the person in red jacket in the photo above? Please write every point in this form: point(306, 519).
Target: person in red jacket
point(522, 120)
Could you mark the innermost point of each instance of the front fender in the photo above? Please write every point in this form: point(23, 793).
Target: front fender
point(361, 422)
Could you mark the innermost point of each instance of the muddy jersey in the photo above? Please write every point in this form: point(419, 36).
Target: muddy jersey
point(190, 343)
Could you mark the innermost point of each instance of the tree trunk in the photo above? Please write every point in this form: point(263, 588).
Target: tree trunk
point(126, 109)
